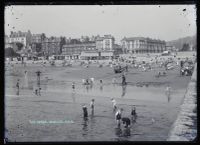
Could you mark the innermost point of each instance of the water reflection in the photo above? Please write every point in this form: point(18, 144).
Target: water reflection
point(168, 97)
point(92, 113)
point(123, 90)
point(133, 119)
point(126, 132)
point(85, 126)
point(87, 87)
point(118, 131)
point(73, 96)
point(92, 120)
point(101, 87)
point(91, 86)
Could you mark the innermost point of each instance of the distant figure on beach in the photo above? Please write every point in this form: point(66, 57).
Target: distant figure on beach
point(126, 121)
point(92, 80)
point(36, 92)
point(123, 80)
point(159, 74)
point(101, 85)
point(17, 86)
point(83, 81)
point(85, 112)
point(73, 85)
point(87, 82)
point(126, 68)
point(114, 103)
point(164, 73)
point(118, 117)
point(92, 106)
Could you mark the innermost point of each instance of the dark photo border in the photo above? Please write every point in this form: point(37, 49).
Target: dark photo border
point(88, 2)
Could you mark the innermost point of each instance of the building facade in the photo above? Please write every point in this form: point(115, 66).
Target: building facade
point(105, 43)
point(21, 37)
point(51, 46)
point(101, 48)
point(170, 48)
point(142, 45)
point(73, 51)
point(36, 38)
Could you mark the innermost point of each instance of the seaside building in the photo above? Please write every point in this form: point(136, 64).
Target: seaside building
point(73, 51)
point(142, 45)
point(101, 48)
point(51, 46)
point(21, 37)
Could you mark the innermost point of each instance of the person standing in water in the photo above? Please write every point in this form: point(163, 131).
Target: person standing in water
point(118, 117)
point(101, 85)
point(126, 121)
point(123, 80)
point(92, 106)
point(133, 114)
point(85, 112)
point(114, 103)
point(17, 86)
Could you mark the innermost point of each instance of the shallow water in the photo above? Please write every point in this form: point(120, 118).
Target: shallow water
point(60, 102)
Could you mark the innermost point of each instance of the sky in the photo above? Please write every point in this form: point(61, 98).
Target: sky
point(165, 22)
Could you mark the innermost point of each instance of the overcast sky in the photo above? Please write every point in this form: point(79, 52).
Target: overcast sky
point(165, 22)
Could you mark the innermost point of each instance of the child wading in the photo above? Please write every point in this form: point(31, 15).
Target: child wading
point(126, 121)
point(133, 114)
point(118, 117)
point(85, 113)
point(114, 103)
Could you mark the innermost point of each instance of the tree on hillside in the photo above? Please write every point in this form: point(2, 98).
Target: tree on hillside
point(185, 47)
point(9, 52)
point(19, 46)
point(87, 39)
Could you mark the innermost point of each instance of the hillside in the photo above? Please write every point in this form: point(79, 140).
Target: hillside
point(179, 42)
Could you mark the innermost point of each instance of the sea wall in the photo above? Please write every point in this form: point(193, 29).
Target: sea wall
point(185, 126)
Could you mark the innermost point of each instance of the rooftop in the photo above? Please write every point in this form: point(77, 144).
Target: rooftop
point(142, 38)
